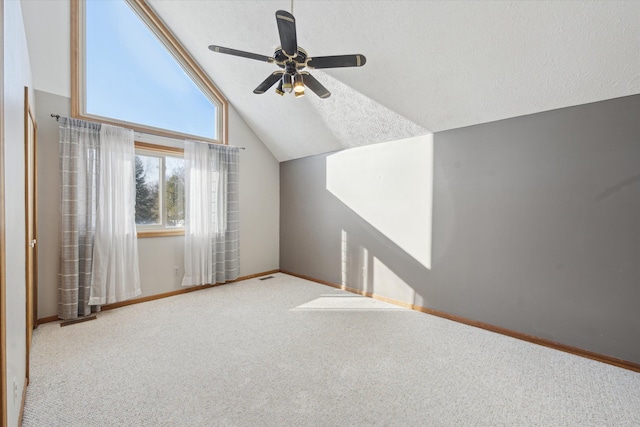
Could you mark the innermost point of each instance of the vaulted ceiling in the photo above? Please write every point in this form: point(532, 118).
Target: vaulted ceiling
point(431, 66)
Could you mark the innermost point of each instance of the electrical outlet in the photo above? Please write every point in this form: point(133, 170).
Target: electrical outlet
point(176, 270)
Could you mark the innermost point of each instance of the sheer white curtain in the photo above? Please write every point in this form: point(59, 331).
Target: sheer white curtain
point(212, 225)
point(115, 252)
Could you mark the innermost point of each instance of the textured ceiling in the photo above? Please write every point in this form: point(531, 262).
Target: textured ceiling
point(430, 66)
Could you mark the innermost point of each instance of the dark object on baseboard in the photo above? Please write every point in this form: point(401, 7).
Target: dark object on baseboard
point(78, 320)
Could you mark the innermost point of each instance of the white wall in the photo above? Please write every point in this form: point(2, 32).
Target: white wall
point(259, 211)
point(48, 202)
point(259, 200)
point(17, 75)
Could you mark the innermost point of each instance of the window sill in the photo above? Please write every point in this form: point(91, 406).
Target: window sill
point(160, 233)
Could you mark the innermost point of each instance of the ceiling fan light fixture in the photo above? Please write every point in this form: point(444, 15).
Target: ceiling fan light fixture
point(279, 90)
point(299, 94)
point(298, 84)
point(286, 82)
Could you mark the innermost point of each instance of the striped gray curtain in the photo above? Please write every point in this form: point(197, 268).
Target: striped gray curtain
point(226, 160)
point(79, 160)
point(212, 226)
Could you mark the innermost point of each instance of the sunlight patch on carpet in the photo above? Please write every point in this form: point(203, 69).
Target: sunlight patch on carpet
point(346, 303)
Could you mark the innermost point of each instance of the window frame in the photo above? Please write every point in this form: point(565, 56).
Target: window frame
point(173, 46)
point(162, 151)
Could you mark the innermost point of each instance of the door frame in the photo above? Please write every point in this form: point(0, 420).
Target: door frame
point(3, 294)
point(31, 223)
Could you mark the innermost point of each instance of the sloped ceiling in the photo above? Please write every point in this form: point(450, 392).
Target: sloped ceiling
point(431, 65)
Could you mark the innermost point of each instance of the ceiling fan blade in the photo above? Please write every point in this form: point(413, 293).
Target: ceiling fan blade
point(268, 82)
point(337, 61)
point(240, 53)
point(287, 29)
point(315, 85)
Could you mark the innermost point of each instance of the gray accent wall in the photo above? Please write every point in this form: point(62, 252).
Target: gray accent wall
point(536, 227)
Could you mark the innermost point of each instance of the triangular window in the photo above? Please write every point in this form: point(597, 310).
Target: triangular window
point(131, 71)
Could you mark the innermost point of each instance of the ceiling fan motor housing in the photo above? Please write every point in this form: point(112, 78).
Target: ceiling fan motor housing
point(290, 65)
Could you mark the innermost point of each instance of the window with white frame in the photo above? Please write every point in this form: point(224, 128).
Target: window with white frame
point(160, 195)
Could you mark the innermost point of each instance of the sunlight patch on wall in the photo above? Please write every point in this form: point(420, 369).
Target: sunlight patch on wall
point(356, 120)
point(387, 283)
point(344, 258)
point(354, 265)
point(390, 186)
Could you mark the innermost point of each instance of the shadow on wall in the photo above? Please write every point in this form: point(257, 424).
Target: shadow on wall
point(357, 120)
point(386, 192)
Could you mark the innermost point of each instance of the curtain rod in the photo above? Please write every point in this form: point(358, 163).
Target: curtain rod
point(57, 117)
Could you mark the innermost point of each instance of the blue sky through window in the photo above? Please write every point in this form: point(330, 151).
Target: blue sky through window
point(130, 75)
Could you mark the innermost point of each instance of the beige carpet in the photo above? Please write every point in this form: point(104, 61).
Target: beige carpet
point(288, 352)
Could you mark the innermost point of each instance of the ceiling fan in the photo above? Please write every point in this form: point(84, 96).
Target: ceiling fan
point(293, 59)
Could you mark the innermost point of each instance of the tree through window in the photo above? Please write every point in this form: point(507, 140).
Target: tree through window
point(174, 194)
point(160, 195)
point(148, 190)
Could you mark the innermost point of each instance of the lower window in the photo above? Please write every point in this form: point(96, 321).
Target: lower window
point(160, 198)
